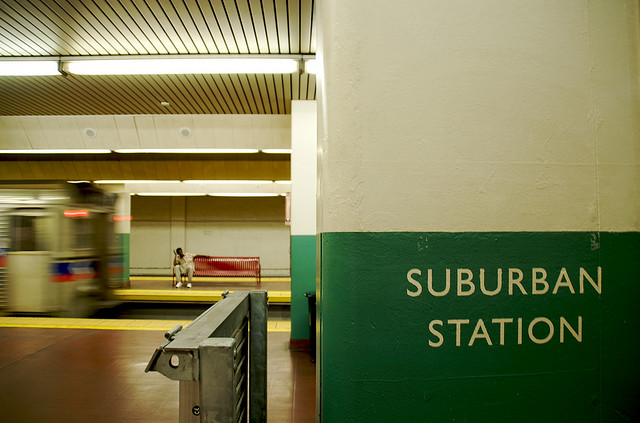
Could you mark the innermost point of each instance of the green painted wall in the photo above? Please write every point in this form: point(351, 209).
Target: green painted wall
point(383, 368)
point(124, 244)
point(303, 280)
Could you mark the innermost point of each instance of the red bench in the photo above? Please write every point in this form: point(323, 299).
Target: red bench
point(227, 266)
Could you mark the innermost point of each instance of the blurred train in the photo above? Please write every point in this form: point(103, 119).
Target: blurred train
point(58, 251)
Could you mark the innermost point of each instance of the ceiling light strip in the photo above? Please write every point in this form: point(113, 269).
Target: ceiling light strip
point(181, 65)
point(277, 151)
point(244, 194)
point(59, 151)
point(221, 181)
point(170, 194)
point(29, 67)
point(187, 150)
point(134, 181)
point(157, 65)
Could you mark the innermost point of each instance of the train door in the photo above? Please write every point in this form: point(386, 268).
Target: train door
point(28, 260)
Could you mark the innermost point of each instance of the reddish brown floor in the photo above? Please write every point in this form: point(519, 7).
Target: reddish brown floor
point(82, 375)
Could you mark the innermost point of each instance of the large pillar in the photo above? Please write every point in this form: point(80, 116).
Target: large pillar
point(479, 210)
point(303, 213)
point(122, 229)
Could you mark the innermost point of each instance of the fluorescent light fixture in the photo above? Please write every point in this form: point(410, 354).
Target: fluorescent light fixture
point(171, 194)
point(282, 182)
point(244, 194)
point(163, 65)
point(310, 66)
point(58, 151)
point(277, 151)
point(134, 181)
point(189, 150)
point(220, 181)
point(28, 67)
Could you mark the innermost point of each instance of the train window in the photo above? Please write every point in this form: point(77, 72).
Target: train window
point(82, 230)
point(29, 233)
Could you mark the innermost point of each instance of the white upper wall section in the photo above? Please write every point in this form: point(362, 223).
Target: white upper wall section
point(304, 152)
point(479, 116)
point(146, 131)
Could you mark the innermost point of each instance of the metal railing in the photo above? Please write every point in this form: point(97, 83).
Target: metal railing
point(220, 360)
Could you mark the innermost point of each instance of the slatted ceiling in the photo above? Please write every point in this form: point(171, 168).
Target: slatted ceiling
point(65, 29)
point(190, 95)
point(78, 27)
point(294, 26)
point(212, 91)
point(249, 29)
point(253, 10)
point(288, 92)
point(148, 32)
point(249, 89)
point(259, 96)
point(11, 21)
point(70, 21)
point(235, 94)
point(13, 30)
point(201, 94)
point(184, 27)
point(239, 93)
point(282, 24)
point(197, 24)
point(232, 27)
point(273, 92)
point(120, 19)
point(121, 27)
point(218, 24)
point(264, 93)
point(306, 27)
point(311, 87)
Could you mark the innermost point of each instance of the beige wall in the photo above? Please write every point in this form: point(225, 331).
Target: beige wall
point(497, 115)
point(146, 131)
point(216, 226)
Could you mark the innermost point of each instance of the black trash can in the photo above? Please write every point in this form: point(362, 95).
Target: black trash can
point(311, 296)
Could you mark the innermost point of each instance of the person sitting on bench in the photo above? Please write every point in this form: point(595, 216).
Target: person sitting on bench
point(182, 265)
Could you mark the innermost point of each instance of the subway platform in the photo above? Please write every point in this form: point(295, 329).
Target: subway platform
point(204, 289)
point(92, 370)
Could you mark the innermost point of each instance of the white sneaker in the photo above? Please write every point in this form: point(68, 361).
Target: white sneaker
point(179, 285)
point(188, 285)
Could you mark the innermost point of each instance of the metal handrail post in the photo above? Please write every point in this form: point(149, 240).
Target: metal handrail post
point(258, 357)
point(213, 358)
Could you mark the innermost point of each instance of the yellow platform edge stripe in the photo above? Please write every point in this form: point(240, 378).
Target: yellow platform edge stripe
point(213, 279)
point(274, 297)
point(113, 324)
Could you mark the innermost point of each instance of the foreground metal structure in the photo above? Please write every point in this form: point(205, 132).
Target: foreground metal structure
point(220, 360)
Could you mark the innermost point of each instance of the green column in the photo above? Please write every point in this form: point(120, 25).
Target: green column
point(303, 280)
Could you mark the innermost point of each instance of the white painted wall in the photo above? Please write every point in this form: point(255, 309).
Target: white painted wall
point(303, 167)
point(497, 115)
